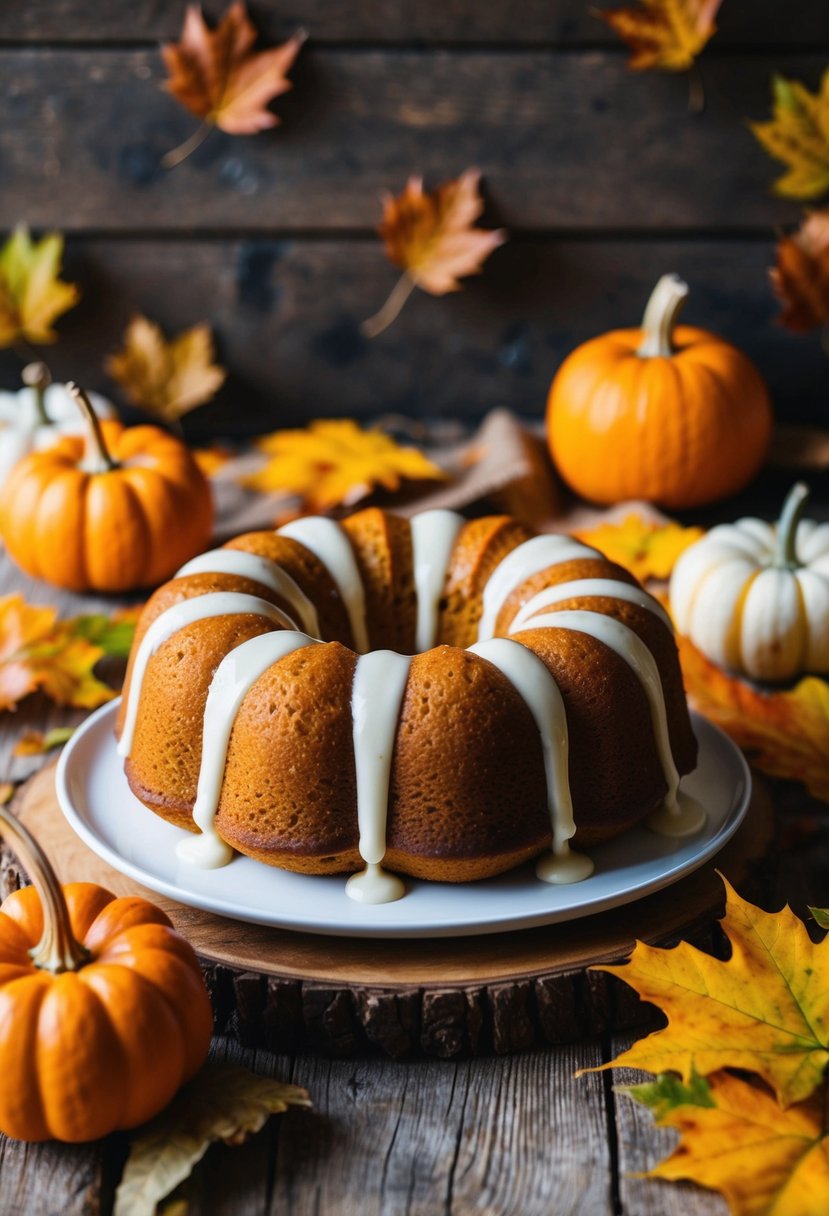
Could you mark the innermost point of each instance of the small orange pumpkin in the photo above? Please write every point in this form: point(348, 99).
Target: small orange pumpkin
point(103, 1009)
point(120, 509)
point(675, 416)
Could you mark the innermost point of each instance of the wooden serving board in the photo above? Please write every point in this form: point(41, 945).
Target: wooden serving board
point(445, 997)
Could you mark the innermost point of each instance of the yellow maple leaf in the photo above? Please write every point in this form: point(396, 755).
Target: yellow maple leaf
point(785, 733)
point(32, 295)
point(334, 462)
point(39, 652)
point(431, 235)
point(667, 34)
point(798, 135)
point(167, 379)
point(738, 1141)
point(765, 1010)
point(645, 548)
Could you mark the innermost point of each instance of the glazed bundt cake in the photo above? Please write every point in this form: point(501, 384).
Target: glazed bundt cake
point(446, 697)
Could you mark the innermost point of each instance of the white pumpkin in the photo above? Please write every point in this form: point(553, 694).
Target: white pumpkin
point(754, 597)
point(37, 416)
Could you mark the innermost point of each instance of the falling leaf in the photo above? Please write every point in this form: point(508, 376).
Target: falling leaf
point(765, 1010)
point(335, 463)
point(167, 379)
point(646, 548)
point(32, 295)
point(37, 651)
point(221, 1103)
point(785, 733)
point(36, 743)
point(431, 235)
point(801, 277)
point(798, 135)
point(667, 34)
point(735, 1139)
point(217, 75)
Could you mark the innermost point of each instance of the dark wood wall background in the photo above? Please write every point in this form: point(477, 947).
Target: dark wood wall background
point(602, 177)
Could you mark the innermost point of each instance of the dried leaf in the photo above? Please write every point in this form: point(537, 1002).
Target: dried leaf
point(739, 1142)
point(221, 1103)
point(217, 75)
point(36, 743)
point(32, 295)
point(431, 235)
point(801, 277)
point(667, 34)
point(765, 1010)
point(798, 135)
point(335, 463)
point(645, 548)
point(167, 379)
point(785, 734)
point(39, 652)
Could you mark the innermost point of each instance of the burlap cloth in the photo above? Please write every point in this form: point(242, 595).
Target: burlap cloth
point(503, 466)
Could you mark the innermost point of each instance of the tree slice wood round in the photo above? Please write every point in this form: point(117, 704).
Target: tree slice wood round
point(445, 997)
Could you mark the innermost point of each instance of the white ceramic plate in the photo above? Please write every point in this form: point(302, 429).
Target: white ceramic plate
point(97, 801)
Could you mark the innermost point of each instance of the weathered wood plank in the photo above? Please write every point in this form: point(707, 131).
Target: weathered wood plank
point(287, 316)
point(517, 1136)
point(51, 1179)
point(524, 22)
point(565, 140)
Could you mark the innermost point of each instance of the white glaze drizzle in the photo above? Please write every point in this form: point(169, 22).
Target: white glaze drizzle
point(522, 563)
point(330, 544)
point(234, 677)
point(187, 612)
point(630, 647)
point(260, 570)
point(376, 699)
point(578, 587)
point(534, 682)
point(433, 538)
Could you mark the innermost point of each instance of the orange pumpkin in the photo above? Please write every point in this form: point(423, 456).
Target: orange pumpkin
point(103, 1009)
point(117, 510)
point(676, 416)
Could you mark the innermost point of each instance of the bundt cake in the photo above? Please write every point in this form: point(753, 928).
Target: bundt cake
point(446, 697)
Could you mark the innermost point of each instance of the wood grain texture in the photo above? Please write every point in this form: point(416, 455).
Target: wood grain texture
point(527, 22)
point(51, 1179)
point(565, 140)
point(287, 313)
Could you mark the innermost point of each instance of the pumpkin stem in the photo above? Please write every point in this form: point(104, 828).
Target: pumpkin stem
point(98, 459)
point(661, 315)
point(785, 554)
point(58, 950)
point(36, 376)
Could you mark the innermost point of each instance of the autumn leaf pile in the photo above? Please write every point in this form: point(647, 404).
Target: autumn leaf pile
point(761, 1137)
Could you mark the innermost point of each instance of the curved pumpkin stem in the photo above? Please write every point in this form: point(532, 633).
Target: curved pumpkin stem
point(58, 949)
point(785, 550)
point(661, 315)
point(38, 377)
point(98, 458)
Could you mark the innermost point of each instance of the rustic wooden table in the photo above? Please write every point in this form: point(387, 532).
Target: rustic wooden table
point(514, 1134)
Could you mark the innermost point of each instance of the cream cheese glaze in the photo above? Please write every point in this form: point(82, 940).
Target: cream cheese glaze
point(380, 678)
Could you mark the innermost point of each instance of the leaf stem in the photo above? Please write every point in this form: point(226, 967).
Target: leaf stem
point(170, 159)
point(98, 459)
point(785, 555)
point(696, 89)
point(58, 949)
point(381, 320)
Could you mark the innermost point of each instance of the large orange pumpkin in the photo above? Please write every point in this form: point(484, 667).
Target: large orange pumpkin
point(676, 416)
point(103, 1009)
point(117, 510)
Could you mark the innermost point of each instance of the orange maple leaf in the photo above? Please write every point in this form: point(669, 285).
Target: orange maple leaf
point(801, 277)
point(431, 235)
point(335, 463)
point(39, 651)
point(218, 76)
point(646, 548)
point(666, 34)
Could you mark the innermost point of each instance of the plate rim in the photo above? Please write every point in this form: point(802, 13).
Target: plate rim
point(424, 928)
